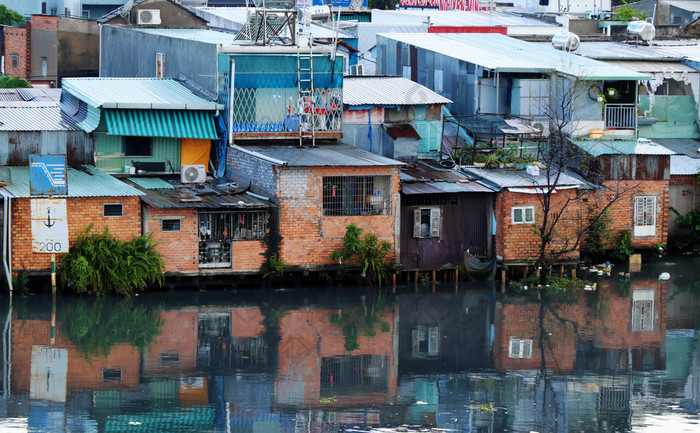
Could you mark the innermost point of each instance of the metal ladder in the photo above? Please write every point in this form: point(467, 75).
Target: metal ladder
point(306, 102)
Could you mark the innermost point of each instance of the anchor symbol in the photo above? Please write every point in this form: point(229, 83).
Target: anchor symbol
point(48, 222)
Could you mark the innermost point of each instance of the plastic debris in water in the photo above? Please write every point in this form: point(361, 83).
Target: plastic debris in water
point(664, 276)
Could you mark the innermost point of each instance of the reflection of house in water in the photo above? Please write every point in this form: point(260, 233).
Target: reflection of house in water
point(314, 362)
point(444, 331)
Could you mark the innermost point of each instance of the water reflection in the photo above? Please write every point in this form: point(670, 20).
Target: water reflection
point(625, 357)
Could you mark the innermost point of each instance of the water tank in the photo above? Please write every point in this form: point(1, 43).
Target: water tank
point(566, 41)
point(642, 29)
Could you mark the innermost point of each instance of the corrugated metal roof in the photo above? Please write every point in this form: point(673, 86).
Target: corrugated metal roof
point(151, 182)
point(87, 181)
point(653, 67)
point(687, 5)
point(330, 155)
point(442, 187)
point(505, 54)
point(456, 18)
point(367, 33)
point(28, 117)
point(30, 94)
point(161, 123)
point(623, 51)
point(428, 177)
point(640, 146)
point(507, 178)
point(388, 91)
point(199, 35)
point(681, 146)
point(200, 196)
point(684, 165)
point(136, 93)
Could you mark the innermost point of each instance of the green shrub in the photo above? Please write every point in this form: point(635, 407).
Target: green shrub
point(623, 245)
point(690, 225)
point(96, 325)
point(369, 253)
point(356, 322)
point(104, 265)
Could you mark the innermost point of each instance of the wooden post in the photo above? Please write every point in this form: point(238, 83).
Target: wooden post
point(434, 276)
point(53, 274)
point(415, 280)
point(573, 273)
point(503, 281)
point(53, 318)
point(561, 271)
point(393, 283)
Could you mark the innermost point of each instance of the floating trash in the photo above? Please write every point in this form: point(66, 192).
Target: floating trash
point(664, 276)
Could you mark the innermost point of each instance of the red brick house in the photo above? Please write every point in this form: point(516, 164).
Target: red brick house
point(518, 210)
point(203, 229)
point(94, 197)
point(641, 170)
point(319, 191)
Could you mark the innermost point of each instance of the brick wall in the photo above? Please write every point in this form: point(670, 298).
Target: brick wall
point(16, 42)
point(178, 335)
point(520, 242)
point(44, 22)
point(260, 171)
point(180, 249)
point(249, 255)
point(82, 211)
point(309, 237)
point(622, 211)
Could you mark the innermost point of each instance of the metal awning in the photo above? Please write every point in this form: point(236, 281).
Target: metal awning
point(161, 123)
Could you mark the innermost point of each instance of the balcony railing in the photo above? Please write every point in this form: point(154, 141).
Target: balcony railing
point(621, 116)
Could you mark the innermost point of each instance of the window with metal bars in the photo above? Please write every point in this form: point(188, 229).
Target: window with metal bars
point(518, 348)
point(218, 230)
point(644, 216)
point(356, 195)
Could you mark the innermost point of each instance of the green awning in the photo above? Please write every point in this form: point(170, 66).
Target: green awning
point(161, 123)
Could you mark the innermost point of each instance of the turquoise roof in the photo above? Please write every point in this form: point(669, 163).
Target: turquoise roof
point(87, 181)
point(136, 93)
point(161, 123)
point(151, 183)
point(640, 146)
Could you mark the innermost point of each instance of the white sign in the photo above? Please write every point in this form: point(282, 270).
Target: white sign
point(49, 226)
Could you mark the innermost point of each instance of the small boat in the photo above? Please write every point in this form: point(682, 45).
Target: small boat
point(478, 270)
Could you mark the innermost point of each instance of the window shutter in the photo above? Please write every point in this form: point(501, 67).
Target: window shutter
point(527, 349)
point(433, 340)
point(639, 211)
point(650, 211)
point(514, 351)
point(416, 223)
point(435, 223)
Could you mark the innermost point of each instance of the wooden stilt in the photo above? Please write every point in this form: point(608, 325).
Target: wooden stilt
point(393, 283)
point(503, 281)
point(434, 276)
point(573, 273)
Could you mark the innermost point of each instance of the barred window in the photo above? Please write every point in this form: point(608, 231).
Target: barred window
point(519, 348)
point(218, 231)
point(356, 195)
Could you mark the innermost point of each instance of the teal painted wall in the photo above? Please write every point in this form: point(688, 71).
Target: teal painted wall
point(677, 117)
point(110, 153)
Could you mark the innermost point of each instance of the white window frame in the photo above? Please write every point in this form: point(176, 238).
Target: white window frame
point(160, 65)
point(429, 334)
point(434, 224)
point(644, 216)
point(519, 348)
point(643, 308)
point(438, 79)
point(523, 210)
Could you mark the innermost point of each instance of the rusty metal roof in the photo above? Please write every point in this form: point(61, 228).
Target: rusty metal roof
point(174, 194)
point(429, 177)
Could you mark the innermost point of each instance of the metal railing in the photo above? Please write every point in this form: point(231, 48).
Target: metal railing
point(621, 116)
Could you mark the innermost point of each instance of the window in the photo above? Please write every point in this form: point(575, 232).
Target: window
point(523, 215)
point(438, 80)
point(86, 15)
point(218, 231)
point(160, 65)
point(519, 348)
point(44, 67)
point(356, 195)
point(426, 223)
point(406, 72)
point(15, 60)
point(170, 225)
point(426, 341)
point(169, 358)
point(643, 310)
point(644, 216)
point(43, 8)
point(112, 210)
point(138, 146)
point(111, 374)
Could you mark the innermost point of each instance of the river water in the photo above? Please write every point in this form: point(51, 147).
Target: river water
point(447, 357)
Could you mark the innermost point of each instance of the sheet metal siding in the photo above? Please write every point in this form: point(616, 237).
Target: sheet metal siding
point(161, 123)
point(16, 146)
point(129, 53)
point(464, 226)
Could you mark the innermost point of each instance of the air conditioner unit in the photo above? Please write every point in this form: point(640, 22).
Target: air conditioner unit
point(148, 17)
point(193, 174)
point(541, 126)
point(357, 69)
